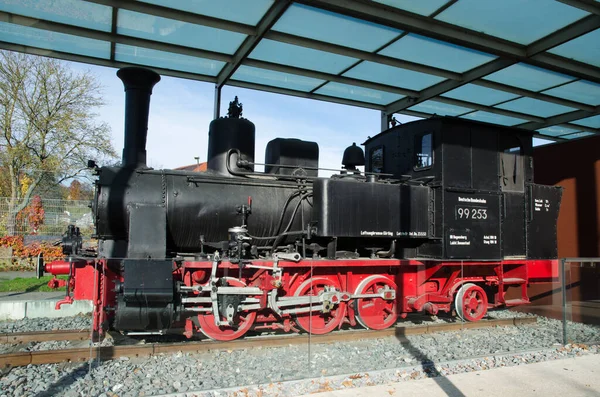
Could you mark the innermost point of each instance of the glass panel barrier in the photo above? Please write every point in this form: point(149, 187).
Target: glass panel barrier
point(582, 300)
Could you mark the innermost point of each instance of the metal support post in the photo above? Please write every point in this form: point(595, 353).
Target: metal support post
point(563, 285)
point(217, 105)
point(384, 121)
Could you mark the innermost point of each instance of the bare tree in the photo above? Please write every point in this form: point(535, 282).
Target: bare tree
point(48, 125)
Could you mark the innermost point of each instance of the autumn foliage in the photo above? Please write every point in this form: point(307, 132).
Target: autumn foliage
point(24, 255)
point(35, 214)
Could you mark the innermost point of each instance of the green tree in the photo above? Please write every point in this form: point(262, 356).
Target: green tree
point(48, 128)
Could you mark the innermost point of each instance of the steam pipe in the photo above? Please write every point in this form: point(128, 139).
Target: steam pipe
point(138, 84)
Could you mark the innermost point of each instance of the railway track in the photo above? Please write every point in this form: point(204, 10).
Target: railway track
point(145, 350)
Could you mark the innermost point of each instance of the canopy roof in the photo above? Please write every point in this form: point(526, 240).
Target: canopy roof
point(532, 64)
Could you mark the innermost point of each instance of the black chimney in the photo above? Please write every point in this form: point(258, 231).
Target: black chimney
point(138, 84)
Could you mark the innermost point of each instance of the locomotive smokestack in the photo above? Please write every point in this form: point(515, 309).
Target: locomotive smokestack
point(138, 84)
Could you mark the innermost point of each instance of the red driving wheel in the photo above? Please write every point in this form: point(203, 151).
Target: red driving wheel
point(471, 302)
point(375, 313)
point(243, 321)
point(317, 322)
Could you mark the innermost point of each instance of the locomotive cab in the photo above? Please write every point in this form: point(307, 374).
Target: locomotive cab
point(481, 179)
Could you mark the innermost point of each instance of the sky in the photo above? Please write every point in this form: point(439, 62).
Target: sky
point(181, 111)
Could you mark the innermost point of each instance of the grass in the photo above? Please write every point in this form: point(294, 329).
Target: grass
point(31, 284)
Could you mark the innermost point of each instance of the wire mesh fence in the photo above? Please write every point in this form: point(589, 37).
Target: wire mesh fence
point(57, 215)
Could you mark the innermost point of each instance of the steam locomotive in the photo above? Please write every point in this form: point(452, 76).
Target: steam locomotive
point(444, 217)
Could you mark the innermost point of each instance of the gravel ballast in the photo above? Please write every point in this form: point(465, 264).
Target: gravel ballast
point(371, 361)
point(81, 322)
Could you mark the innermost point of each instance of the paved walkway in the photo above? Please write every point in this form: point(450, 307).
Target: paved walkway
point(572, 377)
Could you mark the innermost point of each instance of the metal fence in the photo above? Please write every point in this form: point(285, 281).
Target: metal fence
point(58, 214)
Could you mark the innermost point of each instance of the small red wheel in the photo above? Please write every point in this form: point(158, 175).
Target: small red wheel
point(471, 302)
point(317, 322)
point(243, 320)
point(375, 313)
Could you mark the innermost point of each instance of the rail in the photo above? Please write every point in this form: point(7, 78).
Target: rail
point(112, 352)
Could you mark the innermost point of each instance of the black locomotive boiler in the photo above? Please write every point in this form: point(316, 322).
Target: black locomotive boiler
point(445, 217)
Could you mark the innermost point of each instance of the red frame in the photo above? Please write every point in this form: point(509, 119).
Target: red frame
point(421, 285)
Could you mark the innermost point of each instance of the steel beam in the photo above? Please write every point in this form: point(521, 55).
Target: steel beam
point(113, 30)
point(399, 19)
point(267, 21)
point(579, 28)
point(327, 76)
point(560, 119)
point(359, 54)
point(178, 15)
point(543, 44)
point(302, 94)
point(449, 85)
point(403, 20)
point(217, 104)
point(99, 61)
point(586, 5)
point(566, 66)
point(384, 121)
point(533, 94)
point(110, 37)
point(490, 109)
point(580, 128)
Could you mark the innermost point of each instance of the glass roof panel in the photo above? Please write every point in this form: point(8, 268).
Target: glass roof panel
point(528, 77)
point(478, 94)
point(516, 20)
point(535, 107)
point(39, 38)
point(439, 108)
point(314, 23)
point(578, 91)
point(176, 32)
point(593, 122)
point(556, 130)
point(167, 60)
point(390, 75)
point(431, 52)
point(493, 118)
point(540, 141)
point(578, 135)
point(423, 7)
point(242, 11)
point(302, 57)
point(583, 49)
point(358, 93)
point(276, 79)
point(71, 12)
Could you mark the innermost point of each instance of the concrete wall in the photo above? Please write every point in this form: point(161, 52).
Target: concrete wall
point(16, 310)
